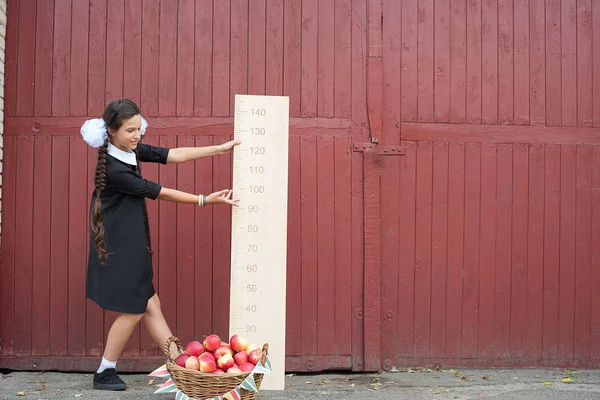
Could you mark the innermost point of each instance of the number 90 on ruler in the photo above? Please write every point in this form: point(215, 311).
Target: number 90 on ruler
point(259, 227)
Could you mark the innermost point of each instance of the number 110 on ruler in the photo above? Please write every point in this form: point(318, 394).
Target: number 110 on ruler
point(259, 227)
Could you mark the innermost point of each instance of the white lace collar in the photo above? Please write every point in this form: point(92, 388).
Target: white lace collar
point(128, 157)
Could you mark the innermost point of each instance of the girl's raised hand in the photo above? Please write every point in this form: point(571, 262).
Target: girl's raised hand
point(226, 148)
point(222, 196)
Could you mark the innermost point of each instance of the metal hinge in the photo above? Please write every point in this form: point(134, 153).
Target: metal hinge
point(378, 149)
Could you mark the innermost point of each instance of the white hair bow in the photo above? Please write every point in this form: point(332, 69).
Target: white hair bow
point(94, 131)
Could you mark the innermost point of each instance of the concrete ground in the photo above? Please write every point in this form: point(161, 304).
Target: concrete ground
point(530, 384)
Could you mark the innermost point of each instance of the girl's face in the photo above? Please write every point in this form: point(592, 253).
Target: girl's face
point(129, 134)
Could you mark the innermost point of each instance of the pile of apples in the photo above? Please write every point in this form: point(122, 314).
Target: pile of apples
point(216, 356)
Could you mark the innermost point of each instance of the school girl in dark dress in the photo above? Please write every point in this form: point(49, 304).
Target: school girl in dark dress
point(119, 274)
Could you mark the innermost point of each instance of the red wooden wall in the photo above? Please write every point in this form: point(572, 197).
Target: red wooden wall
point(477, 246)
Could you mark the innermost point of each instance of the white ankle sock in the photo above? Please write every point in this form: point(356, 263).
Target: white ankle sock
point(105, 364)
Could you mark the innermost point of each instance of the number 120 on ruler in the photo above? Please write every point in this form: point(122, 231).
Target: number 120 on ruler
point(259, 227)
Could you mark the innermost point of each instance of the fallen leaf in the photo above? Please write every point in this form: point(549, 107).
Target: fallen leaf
point(20, 393)
point(79, 395)
point(58, 390)
point(151, 381)
point(465, 378)
point(485, 378)
point(349, 378)
point(547, 383)
point(567, 380)
point(437, 368)
point(291, 375)
point(353, 384)
point(41, 388)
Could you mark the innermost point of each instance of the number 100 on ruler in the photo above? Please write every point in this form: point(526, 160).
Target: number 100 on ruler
point(259, 227)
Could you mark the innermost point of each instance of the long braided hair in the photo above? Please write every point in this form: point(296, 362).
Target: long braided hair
point(114, 115)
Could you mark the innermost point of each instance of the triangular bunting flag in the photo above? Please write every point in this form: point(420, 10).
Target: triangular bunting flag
point(167, 387)
point(250, 384)
point(233, 395)
point(260, 369)
point(161, 372)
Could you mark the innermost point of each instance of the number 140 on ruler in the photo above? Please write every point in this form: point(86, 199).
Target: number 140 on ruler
point(259, 227)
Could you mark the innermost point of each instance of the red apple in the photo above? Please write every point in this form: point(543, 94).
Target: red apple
point(225, 362)
point(246, 367)
point(251, 348)
point(222, 351)
point(207, 356)
point(212, 342)
point(194, 348)
point(255, 356)
point(218, 371)
point(207, 365)
point(180, 360)
point(192, 363)
point(241, 357)
point(234, 370)
point(238, 343)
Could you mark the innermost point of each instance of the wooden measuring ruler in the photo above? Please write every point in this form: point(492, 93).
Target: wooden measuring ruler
point(259, 227)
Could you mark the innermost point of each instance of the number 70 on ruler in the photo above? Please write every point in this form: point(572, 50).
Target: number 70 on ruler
point(259, 227)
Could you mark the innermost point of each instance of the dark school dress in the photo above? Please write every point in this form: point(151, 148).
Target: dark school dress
point(123, 283)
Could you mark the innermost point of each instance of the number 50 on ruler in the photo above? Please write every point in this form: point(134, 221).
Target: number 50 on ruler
point(259, 227)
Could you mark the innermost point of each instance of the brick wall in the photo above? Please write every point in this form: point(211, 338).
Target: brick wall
point(2, 44)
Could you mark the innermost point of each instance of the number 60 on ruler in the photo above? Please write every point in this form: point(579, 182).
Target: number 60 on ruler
point(259, 227)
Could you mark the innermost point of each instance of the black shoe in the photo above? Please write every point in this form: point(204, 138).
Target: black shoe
point(108, 380)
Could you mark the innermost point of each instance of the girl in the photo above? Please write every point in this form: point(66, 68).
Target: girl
point(119, 275)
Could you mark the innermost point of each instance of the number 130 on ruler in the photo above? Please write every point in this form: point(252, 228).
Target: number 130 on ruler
point(259, 227)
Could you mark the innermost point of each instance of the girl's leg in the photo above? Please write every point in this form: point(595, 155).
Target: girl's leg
point(119, 334)
point(157, 326)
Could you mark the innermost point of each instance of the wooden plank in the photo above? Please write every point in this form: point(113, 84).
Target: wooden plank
point(203, 76)
point(522, 54)
point(308, 190)
point(167, 54)
point(10, 57)
point(220, 58)
point(502, 301)
point(406, 250)
point(596, 61)
point(274, 48)
point(221, 246)
point(239, 50)
point(115, 56)
point(458, 61)
point(186, 288)
point(94, 316)
point(474, 62)
point(456, 250)
point(499, 134)
point(392, 76)
point(553, 64)
point(185, 58)
point(537, 61)
point(79, 58)
point(343, 58)
point(59, 243)
point(470, 315)
point(7, 263)
point(568, 203)
point(519, 263)
point(425, 51)
point(439, 249)
point(390, 257)
point(292, 64)
point(257, 47)
point(26, 57)
point(309, 34)
point(506, 60)
point(442, 73)
point(489, 57)
point(203, 240)
point(43, 59)
point(359, 115)
point(410, 63)
point(132, 68)
point(78, 212)
point(293, 333)
point(40, 298)
point(487, 250)
point(357, 254)
point(424, 173)
point(61, 58)
point(535, 252)
point(167, 240)
point(23, 249)
point(552, 223)
point(150, 43)
point(585, 79)
point(97, 59)
point(568, 29)
point(583, 253)
point(595, 244)
point(326, 59)
point(342, 245)
point(325, 244)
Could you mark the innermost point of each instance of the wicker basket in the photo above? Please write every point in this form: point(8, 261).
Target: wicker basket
point(200, 385)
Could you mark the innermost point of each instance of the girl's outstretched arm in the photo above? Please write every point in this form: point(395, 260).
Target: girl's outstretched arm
point(182, 154)
point(177, 196)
